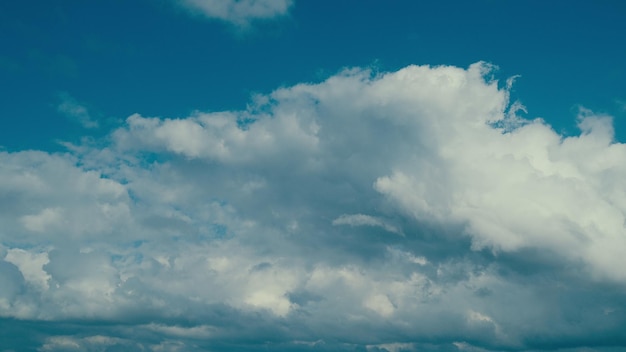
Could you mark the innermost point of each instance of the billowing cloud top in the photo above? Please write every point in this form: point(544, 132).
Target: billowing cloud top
point(239, 12)
point(411, 210)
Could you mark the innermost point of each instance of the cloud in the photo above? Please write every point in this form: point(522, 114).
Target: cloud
point(76, 111)
point(270, 226)
point(364, 220)
point(30, 265)
point(239, 12)
point(449, 165)
point(89, 343)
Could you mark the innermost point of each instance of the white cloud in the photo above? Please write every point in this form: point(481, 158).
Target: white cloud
point(380, 304)
point(30, 265)
point(527, 188)
point(50, 196)
point(239, 227)
point(239, 12)
point(439, 158)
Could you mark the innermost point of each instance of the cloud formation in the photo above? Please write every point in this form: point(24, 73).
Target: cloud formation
point(239, 12)
point(411, 210)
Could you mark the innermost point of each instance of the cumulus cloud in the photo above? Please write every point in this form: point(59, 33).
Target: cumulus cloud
point(411, 210)
point(239, 12)
point(528, 187)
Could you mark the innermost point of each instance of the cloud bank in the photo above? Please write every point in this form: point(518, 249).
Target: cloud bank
point(403, 211)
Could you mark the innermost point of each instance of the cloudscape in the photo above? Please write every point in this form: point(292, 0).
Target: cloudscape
point(271, 175)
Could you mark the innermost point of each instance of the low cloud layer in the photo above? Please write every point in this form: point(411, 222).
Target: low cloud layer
point(403, 211)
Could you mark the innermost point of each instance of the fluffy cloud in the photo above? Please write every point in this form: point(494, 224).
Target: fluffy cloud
point(410, 210)
point(239, 12)
point(428, 136)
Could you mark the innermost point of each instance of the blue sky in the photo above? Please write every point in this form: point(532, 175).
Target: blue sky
point(291, 175)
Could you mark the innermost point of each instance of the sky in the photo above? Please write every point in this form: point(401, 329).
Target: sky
point(292, 175)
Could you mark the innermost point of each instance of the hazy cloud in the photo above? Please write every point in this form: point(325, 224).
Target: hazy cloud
point(239, 12)
point(75, 111)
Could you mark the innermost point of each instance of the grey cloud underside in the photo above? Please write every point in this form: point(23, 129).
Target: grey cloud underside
point(406, 211)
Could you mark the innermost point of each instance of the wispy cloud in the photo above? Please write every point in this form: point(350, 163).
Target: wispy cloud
point(239, 12)
point(364, 220)
point(75, 111)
